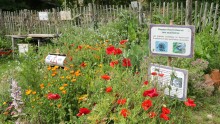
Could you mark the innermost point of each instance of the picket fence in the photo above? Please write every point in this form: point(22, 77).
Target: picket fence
point(28, 21)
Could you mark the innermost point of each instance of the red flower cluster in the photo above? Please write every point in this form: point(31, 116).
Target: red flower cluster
point(106, 77)
point(112, 50)
point(190, 103)
point(164, 114)
point(124, 113)
point(146, 104)
point(123, 42)
point(151, 93)
point(53, 96)
point(121, 101)
point(126, 62)
point(146, 82)
point(108, 89)
point(83, 111)
point(152, 114)
point(113, 63)
point(83, 64)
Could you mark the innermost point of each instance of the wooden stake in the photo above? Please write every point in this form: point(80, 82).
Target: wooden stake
point(169, 58)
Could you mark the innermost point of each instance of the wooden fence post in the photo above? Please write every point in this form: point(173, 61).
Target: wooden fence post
point(188, 20)
point(215, 18)
point(1, 23)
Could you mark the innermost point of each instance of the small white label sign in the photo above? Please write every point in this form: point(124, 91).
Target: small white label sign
point(43, 15)
point(55, 60)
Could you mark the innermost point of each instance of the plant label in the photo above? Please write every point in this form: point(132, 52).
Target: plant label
point(173, 81)
point(172, 40)
point(43, 15)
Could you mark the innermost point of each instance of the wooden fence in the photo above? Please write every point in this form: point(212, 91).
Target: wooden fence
point(28, 21)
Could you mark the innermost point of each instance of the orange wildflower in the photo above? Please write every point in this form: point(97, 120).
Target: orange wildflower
point(49, 68)
point(77, 73)
point(28, 92)
point(73, 80)
point(66, 68)
point(42, 86)
point(64, 91)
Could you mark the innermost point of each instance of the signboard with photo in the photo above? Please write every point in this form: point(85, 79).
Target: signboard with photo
point(65, 15)
point(134, 4)
point(172, 40)
point(55, 60)
point(174, 81)
point(43, 15)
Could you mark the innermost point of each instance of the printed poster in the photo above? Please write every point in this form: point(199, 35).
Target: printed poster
point(55, 60)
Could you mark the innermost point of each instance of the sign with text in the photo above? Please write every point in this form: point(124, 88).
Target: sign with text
point(55, 60)
point(172, 40)
point(174, 81)
point(43, 15)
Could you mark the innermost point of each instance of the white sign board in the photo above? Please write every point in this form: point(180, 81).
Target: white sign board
point(55, 60)
point(43, 15)
point(174, 80)
point(134, 4)
point(65, 15)
point(23, 48)
point(172, 40)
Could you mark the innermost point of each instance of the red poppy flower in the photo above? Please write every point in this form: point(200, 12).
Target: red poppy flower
point(165, 110)
point(152, 114)
point(105, 77)
point(110, 50)
point(79, 47)
point(146, 82)
point(146, 104)
point(53, 96)
point(126, 62)
point(154, 73)
point(113, 63)
point(108, 89)
point(123, 42)
point(164, 116)
point(83, 64)
point(124, 113)
point(161, 74)
point(83, 111)
point(190, 103)
point(151, 93)
point(70, 58)
point(117, 51)
point(121, 101)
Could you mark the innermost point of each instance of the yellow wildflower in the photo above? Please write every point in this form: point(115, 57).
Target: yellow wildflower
point(68, 77)
point(64, 91)
point(73, 80)
point(65, 85)
point(62, 77)
point(83, 97)
point(4, 103)
point(66, 68)
point(61, 88)
point(42, 86)
point(71, 72)
point(51, 104)
point(34, 92)
point(71, 65)
point(100, 65)
point(59, 105)
point(28, 92)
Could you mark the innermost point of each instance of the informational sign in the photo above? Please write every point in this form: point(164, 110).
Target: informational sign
point(172, 40)
point(23, 48)
point(43, 15)
point(65, 15)
point(134, 4)
point(174, 81)
point(55, 60)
